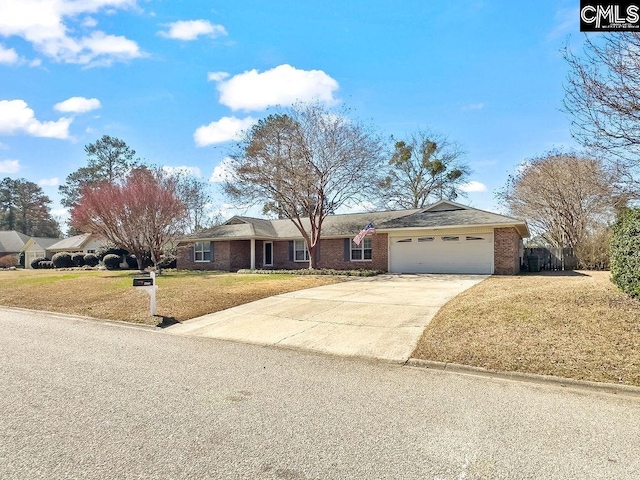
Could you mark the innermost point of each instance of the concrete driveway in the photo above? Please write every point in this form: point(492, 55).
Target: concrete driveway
point(378, 317)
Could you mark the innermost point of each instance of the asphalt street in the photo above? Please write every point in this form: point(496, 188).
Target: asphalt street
point(89, 399)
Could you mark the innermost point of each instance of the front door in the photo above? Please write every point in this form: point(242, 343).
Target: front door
point(268, 254)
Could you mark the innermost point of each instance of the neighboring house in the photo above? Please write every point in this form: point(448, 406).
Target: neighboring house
point(85, 243)
point(12, 242)
point(37, 247)
point(446, 237)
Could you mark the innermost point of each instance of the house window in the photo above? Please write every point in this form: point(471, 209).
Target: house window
point(470, 239)
point(426, 239)
point(362, 251)
point(301, 254)
point(450, 239)
point(91, 251)
point(202, 252)
point(406, 240)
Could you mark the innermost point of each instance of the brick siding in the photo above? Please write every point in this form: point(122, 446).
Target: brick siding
point(506, 251)
point(236, 254)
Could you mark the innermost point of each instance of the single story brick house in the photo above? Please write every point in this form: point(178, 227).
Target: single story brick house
point(446, 237)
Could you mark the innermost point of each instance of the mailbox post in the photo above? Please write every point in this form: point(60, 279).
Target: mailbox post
point(148, 284)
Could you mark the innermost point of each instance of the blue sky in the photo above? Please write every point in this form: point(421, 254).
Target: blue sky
point(177, 80)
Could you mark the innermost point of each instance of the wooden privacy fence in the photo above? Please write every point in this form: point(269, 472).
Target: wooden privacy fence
point(550, 259)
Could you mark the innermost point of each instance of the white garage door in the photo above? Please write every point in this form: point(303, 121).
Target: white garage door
point(442, 254)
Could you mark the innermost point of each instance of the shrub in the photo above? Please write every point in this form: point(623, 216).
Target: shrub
point(168, 260)
point(45, 264)
point(62, 260)
point(35, 263)
point(110, 249)
point(625, 252)
point(8, 261)
point(78, 259)
point(91, 260)
point(112, 261)
point(131, 261)
point(593, 250)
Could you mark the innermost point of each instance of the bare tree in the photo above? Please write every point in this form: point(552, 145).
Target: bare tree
point(304, 164)
point(423, 168)
point(195, 193)
point(563, 197)
point(602, 95)
point(142, 214)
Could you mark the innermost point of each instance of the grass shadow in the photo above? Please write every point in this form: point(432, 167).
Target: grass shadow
point(555, 273)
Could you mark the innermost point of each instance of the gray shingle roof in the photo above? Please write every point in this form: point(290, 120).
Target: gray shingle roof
point(444, 214)
point(12, 241)
point(45, 242)
point(71, 243)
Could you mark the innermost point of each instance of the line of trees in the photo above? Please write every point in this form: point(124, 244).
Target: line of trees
point(25, 208)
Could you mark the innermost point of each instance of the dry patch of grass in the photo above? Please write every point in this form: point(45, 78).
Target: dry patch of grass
point(109, 294)
point(578, 326)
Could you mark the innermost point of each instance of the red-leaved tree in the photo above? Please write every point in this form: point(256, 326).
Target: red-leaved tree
point(142, 214)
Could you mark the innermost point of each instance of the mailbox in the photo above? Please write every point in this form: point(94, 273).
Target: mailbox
point(143, 282)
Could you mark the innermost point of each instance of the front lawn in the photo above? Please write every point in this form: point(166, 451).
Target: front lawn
point(109, 294)
point(575, 325)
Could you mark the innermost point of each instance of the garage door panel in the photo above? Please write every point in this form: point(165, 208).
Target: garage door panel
point(443, 254)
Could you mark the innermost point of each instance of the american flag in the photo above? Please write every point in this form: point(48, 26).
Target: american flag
point(368, 230)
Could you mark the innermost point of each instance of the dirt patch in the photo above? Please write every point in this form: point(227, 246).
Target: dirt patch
point(110, 295)
point(577, 326)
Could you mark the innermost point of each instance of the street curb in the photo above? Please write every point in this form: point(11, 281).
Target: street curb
point(84, 318)
point(627, 390)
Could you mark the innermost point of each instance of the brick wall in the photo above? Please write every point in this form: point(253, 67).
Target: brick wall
point(221, 258)
point(332, 255)
point(506, 251)
point(234, 255)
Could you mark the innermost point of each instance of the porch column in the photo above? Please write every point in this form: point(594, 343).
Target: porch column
point(253, 253)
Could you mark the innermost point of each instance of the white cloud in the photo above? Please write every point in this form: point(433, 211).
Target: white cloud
point(17, 117)
point(8, 56)
point(89, 22)
point(182, 170)
point(49, 26)
point(78, 105)
point(9, 166)
point(36, 62)
point(49, 182)
point(282, 85)
point(567, 20)
point(61, 213)
point(473, 187)
point(217, 76)
point(474, 106)
point(187, 30)
point(223, 130)
point(222, 171)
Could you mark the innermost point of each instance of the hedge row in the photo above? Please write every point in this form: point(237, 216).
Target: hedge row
point(320, 271)
point(625, 252)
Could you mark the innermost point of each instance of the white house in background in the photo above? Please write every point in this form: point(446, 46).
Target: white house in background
point(37, 247)
point(85, 243)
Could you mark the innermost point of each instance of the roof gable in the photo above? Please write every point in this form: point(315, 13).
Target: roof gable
point(445, 205)
point(12, 241)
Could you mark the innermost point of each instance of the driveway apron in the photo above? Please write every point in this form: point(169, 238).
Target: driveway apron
point(379, 317)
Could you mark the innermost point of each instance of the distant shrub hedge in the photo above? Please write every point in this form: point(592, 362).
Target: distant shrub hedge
point(625, 252)
point(62, 260)
point(45, 264)
point(35, 263)
point(77, 259)
point(8, 261)
point(112, 261)
point(91, 260)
